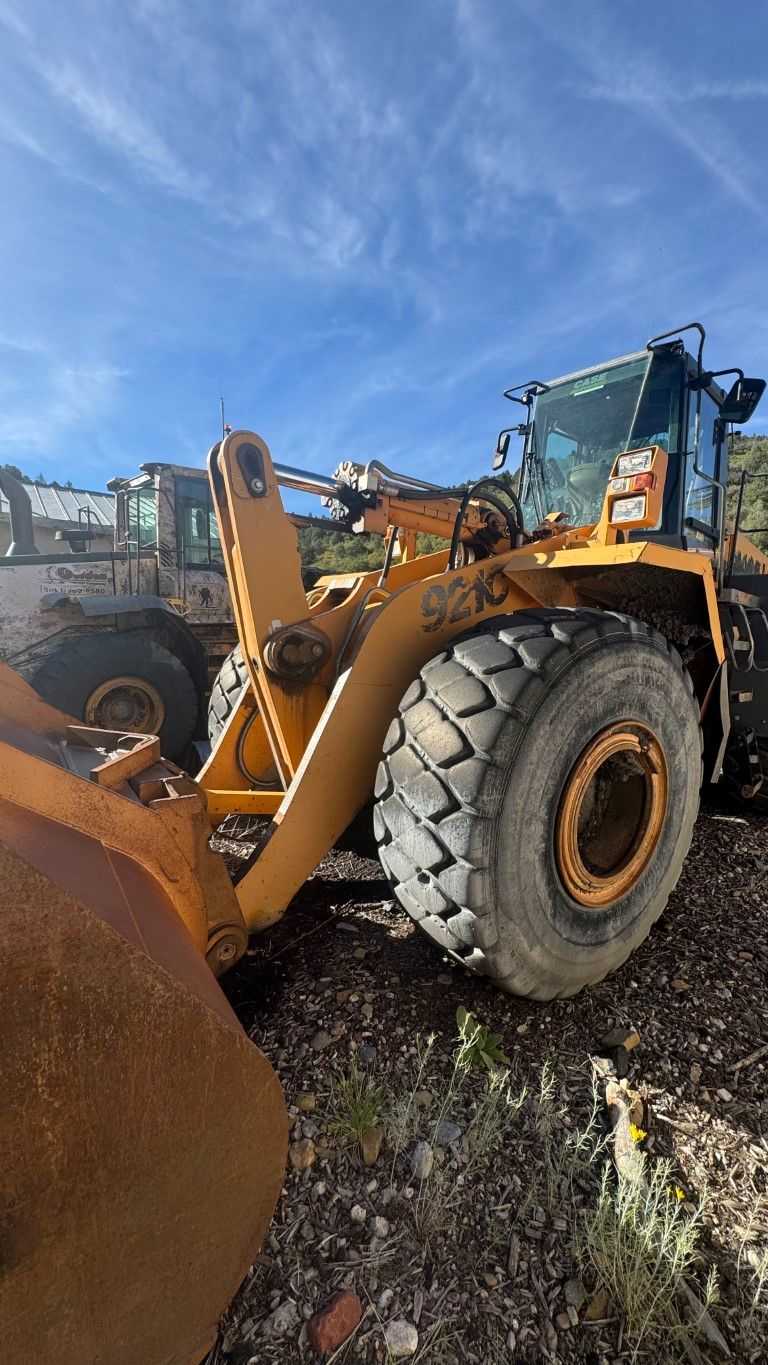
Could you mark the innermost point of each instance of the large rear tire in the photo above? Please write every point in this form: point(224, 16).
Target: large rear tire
point(127, 682)
point(537, 795)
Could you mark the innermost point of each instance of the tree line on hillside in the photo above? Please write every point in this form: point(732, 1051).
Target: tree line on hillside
point(340, 552)
point(750, 453)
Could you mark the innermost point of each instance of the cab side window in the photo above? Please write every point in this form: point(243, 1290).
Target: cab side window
point(196, 528)
point(701, 496)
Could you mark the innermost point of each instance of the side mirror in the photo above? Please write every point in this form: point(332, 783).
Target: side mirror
point(502, 450)
point(742, 399)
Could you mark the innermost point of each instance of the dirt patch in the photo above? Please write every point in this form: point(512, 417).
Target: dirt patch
point(479, 1256)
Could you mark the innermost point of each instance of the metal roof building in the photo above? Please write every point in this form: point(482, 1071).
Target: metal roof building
point(64, 505)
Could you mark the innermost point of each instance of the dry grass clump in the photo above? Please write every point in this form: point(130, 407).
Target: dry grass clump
point(356, 1103)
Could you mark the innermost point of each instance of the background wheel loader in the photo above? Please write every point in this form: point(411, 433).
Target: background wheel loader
point(532, 711)
point(130, 634)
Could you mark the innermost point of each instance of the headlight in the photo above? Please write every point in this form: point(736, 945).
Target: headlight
point(628, 509)
point(637, 462)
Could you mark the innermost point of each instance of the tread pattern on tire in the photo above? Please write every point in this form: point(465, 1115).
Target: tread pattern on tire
point(437, 777)
point(230, 681)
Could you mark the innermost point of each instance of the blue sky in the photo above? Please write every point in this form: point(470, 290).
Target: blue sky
point(360, 222)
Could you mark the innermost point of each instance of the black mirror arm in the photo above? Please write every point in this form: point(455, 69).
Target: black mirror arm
point(532, 387)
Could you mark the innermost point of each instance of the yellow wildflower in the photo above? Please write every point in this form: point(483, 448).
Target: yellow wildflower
point(636, 1134)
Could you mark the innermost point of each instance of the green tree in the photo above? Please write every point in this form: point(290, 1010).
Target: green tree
point(750, 453)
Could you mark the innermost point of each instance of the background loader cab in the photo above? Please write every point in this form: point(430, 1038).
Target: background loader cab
point(128, 638)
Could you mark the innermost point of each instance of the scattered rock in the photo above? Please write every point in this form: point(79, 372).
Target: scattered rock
point(620, 1037)
point(370, 1143)
point(422, 1159)
point(447, 1132)
point(336, 1321)
point(380, 1227)
point(307, 1103)
point(422, 1099)
point(360, 953)
point(597, 1308)
point(624, 1110)
point(550, 1337)
point(679, 983)
point(575, 1293)
point(358, 1214)
point(490, 1279)
point(302, 1154)
point(321, 1040)
point(724, 1095)
point(402, 1338)
point(385, 1299)
point(695, 1074)
point(366, 1011)
point(367, 1054)
point(284, 1319)
point(563, 1322)
point(603, 1067)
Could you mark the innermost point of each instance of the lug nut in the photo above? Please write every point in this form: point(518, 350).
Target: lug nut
point(317, 650)
point(226, 951)
point(257, 486)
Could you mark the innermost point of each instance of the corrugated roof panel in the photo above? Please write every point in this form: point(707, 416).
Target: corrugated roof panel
point(63, 504)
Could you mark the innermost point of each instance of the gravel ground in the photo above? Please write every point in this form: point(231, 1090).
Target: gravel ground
point(479, 1259)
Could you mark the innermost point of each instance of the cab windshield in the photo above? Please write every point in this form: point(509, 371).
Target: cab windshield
point(580, 425)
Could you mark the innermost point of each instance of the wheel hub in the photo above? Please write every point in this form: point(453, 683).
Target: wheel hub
point(611, 814)
point(126, 703)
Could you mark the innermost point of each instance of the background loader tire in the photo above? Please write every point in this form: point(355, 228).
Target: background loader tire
point(122, 682)
point(479, 766)
point(230, 681)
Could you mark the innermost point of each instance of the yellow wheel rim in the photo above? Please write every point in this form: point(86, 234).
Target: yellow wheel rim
point(126, 703)
point(611, 814)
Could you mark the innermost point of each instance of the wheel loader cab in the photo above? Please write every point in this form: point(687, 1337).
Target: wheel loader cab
point(582, 421)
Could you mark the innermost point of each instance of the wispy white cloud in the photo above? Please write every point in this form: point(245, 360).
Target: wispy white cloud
point(121, 128)
point(41, 407)
point(638, 92)
point(13, 21)
point(466, 191)
point(651, 93)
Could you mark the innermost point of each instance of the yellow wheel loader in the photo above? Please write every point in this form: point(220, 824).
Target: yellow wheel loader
point(529, 713)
